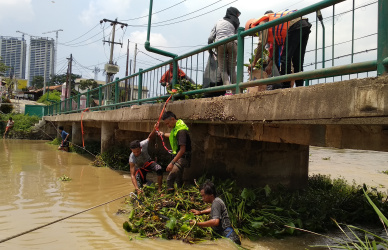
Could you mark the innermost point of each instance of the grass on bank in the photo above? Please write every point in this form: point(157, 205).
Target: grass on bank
point(22, 126)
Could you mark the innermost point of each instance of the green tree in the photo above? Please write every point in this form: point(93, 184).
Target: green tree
point(88, 84)
point(3, 68)
point(37, 82)
point(61, 79)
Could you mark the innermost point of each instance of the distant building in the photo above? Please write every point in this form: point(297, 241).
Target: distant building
point(41, 58)
point(13, 53)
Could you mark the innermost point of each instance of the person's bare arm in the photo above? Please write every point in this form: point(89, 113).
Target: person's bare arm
point(133, 178)
point(197, 212)
point(182, 150)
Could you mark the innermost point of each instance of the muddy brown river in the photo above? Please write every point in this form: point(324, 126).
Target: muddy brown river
point(31, 195)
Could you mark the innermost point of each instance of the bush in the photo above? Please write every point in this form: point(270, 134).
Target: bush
point(53, 96)
point(115, 158)
point(6, 109)
point(23, 123)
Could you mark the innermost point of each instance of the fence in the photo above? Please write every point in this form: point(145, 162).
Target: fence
point(36, 110)
point(338, 48)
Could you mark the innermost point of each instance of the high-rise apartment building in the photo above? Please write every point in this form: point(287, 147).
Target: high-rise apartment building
point(13, 53)
point(41, 58)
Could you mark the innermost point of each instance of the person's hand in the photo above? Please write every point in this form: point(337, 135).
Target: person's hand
point(139, 191)
point(156, 126)
point(193, 222)
point(169, 167)
point(195, 212)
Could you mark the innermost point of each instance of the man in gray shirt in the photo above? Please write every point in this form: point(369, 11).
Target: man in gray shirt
point(140, 163)
point(219, 221)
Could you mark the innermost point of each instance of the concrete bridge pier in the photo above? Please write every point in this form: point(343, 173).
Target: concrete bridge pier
point(76, 133)
point(251, 163)
point(107, 135)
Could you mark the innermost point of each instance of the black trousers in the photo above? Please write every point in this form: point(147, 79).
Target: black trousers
point(296, 50)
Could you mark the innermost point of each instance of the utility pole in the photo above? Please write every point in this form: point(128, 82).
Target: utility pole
point(68, 82)
point(134, 71)
point(110, 68)
point(55, 48)
point(126, 72)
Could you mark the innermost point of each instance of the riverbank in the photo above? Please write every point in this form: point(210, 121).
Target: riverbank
point(23, 127)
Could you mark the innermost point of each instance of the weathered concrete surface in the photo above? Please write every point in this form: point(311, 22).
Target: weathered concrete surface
point(331, 114)
point(259, 138)
point(108, 130)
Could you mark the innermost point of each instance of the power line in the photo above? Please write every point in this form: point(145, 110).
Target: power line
point(188, 13)
point(154, 12)
point(83, 34)
point(145, 25)
point(150, 56)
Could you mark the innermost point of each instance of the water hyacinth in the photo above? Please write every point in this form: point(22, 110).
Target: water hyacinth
point(254, 212)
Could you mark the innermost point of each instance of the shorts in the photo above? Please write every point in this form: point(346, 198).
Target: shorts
point(141, 174)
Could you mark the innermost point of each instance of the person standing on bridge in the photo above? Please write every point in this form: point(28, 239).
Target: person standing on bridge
point(181, 149)
point(226, 53)
point(10, 124)
point(293, 51)
point(140, 163)
point(65, 143)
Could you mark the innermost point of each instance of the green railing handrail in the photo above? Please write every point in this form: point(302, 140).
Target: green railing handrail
point(381, 64)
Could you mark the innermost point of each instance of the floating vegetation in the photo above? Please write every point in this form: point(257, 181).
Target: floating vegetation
point(168, 216)
point(253, 212)
point(326, 158)
point(384, 172)
point(65, 178)
point(356, 237)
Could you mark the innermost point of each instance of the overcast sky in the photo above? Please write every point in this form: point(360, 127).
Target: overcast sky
point(180, 25)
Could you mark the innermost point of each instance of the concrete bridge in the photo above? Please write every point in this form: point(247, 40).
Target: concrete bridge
point(258, 138)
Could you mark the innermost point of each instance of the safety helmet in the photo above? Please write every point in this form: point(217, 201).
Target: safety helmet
point(249, 23)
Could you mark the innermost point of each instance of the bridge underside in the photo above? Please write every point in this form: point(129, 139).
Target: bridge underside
point(257, 138)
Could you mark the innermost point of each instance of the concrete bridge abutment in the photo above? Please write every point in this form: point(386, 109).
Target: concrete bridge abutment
point(107, 135)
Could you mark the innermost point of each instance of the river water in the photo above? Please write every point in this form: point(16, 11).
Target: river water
point(31, 195)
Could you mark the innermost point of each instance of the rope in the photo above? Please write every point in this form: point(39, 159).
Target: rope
point(82, 127)
point(160, 117)
point(45, 225)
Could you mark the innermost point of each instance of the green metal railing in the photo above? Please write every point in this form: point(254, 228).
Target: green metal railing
point(145, 87)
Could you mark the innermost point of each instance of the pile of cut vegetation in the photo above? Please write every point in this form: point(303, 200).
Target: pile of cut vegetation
point(254, 212)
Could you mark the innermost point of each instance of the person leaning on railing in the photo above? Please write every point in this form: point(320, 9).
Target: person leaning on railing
point(292, 51)
point(227, 53)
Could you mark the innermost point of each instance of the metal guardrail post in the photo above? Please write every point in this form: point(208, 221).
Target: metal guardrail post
point(87, 98)
point(100, 96)
point(79, 101)
point(117, 90)
point(140, 86)
point(240, 59)
point(382, 37)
